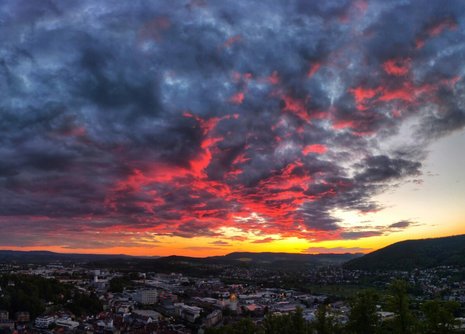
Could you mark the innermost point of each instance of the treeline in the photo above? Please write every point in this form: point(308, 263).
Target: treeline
point(35, 294)
point(431, 317)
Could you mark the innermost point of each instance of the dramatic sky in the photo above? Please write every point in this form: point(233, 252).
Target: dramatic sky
point(203, 127)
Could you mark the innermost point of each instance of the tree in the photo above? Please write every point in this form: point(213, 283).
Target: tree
point(83, 304)
point(398, 302)
point(363, 318)
point(299, 324)
point(117, 284)
point(324, 323)
point(439, 316)
point(29, 293)
point(293, 323)
point(244, 326)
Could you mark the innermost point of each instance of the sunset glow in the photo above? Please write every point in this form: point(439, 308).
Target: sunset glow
point(206, 127)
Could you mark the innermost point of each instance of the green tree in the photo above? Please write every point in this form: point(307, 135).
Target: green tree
point(324, 322)
point(29, 293)
point(244, 326)
point(439, 316)
point(117, 284)
point(293, 323)
point(363, 318)
point(83, 304)
point(398, 302)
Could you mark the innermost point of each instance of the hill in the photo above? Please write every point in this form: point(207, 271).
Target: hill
point(45, 257)
point(215, 265)
point(274, 258)
point(210, 265)
point(412, 254)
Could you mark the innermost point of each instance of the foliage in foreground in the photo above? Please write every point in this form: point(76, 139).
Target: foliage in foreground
point(34, 293)
point(436, 317)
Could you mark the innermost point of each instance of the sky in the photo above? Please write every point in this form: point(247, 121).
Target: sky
point(201, 127)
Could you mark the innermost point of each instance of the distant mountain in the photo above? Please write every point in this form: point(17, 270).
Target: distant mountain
point(265, 258)
point(278, 261)
point(273, 258)
point(45, 257)
point(411, 254)
point(211, 264)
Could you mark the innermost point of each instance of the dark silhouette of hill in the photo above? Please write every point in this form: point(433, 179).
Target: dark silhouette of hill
point(273, 258)
point(214, 265)
point(412, 254)
point(174, 263)
point(44, 257)
point(264, 258)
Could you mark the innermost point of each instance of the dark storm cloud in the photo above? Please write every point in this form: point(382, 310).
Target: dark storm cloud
point(449, 118)
point(317, 217)
point(194, 229)
point(350, 235)
point(402, 224)
point(382, 168)
point(179, 119)
point(368, 230)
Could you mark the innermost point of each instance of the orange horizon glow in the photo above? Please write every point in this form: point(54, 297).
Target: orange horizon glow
point(364, 246)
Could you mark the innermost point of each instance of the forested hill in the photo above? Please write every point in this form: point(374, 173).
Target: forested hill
point(411, 254)
point(45, 257)
point(184, 264)
point(277, 258)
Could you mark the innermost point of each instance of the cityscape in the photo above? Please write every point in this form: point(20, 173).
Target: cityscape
point(239, 293)
point(232, 167)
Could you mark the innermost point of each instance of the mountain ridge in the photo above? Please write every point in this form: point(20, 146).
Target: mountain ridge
point(233, 257)
point(402, 255)
point(414, 254)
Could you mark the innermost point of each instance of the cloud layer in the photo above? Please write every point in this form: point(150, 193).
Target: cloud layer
point(121, 122)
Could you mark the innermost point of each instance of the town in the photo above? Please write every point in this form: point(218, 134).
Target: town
point(82, 299)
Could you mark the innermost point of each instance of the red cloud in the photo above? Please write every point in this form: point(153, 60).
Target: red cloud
point(313, 69)
point(296, 107)
point(263, 241)
point(314, 148)
point(435, 30)
point(397, 67)
point(273, 79)
point(237, 98)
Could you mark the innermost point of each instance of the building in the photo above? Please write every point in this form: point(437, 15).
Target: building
point(4, 315)
point(44, 322)
point(23, 317)
point(147, 316)
point(186, 312)
point(146, 297)
point(385, 315)
point(66, 323)
point(7, 324)
point(286, 307)
point(233, 303)
point(213, 318)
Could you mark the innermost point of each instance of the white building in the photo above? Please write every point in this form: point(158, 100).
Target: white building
point(146, 297)
point(148, 315)
point(213, 318)
point(67, 323)
point(186, 312)
point(44, 322)
point(385, 315)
